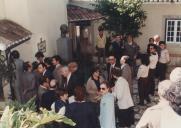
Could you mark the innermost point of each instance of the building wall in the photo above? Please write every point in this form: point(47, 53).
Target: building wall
point(43, 18)
point(155, 24)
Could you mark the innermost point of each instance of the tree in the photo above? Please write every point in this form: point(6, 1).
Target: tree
point(122, 16)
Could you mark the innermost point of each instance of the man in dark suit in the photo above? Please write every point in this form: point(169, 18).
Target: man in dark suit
point(111, 64)
point(70, 81)
point(49, 97)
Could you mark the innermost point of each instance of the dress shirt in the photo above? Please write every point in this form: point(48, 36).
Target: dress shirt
point(152, 116)
point(153, 61)
point(142, 71)
point(164, 56)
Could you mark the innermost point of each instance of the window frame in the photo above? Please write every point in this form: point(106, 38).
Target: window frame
point(175, 31)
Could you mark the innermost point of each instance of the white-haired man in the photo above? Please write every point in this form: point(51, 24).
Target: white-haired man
point(152, 116)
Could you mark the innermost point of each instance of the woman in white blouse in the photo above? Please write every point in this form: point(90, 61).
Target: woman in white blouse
point(142, 77)
point(125, 104)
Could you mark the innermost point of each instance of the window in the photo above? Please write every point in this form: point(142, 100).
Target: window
point(173, 30)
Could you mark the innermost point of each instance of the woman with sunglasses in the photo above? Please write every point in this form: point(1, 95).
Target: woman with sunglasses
point(107, 111)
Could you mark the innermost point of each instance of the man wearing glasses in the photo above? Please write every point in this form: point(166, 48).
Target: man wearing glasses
point(112, 63)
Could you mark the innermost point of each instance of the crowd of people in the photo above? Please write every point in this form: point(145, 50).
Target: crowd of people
point(105, 100)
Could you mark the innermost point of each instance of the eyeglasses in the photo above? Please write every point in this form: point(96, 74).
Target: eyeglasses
point(103, 89)
point(151, 48)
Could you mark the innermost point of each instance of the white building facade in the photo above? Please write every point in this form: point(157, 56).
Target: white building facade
point(42, 17)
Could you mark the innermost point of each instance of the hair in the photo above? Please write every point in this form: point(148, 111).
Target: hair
point(145, 59)
point(150, 39)
point(62, 92)
point(153, 45)
point(26, 65)
point(162, 42)
point(100, 28)
point(35, 65)
point(174, 97)
point(72, 65)
point(57, 58)
point(39, 54)
point(15, 54)
point(116, 72)
point(95, 69)
point(43, 65)
point(127, 59)
point(48, 60)
point(163, 87)
point(106, 83)
point(175, 75)
point(80, 93)
point(43, 79)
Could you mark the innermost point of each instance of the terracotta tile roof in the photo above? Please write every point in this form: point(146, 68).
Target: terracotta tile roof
point(76, 13)
point(12, 34)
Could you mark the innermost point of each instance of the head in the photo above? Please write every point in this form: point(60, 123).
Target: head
point(129, 38)
point(80, 93)
point(163, 87)
point(15, 54)
point(35, 65)
point(39, 56)
point(48, 61)
point(95, 72)
point(27, 66)
point(111, 59)
point(63, 94)
point(151, 40)
point(156, 38)
point(104, 88)
point(152, 48)
point(101, 30)
point(116, 72)
point(44, 81)
point(41, 67)
point(145, 59)
point(162, 44)
point(118, 38)
point(53, 84)
point(124, 60)
point(175, 75)
point(65, 71)
point(173, 95)
point(73, 66)
point(56, 60)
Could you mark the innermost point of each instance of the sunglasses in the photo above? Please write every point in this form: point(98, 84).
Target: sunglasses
point(103, 89)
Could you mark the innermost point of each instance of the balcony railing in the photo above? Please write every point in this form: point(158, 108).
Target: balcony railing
point(162, 1)
point(145, 1)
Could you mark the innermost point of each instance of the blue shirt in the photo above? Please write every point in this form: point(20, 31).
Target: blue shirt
point(107, 111)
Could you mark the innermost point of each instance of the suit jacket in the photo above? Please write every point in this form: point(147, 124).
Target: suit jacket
point(84, 114)
point(57, 75)
point(29, 85)
point(48, 98)
point(71, 84)
point(127, 74)
point(111, 79)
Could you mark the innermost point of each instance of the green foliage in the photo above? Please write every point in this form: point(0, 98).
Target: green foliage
point(122, 16)
point(18, 115)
